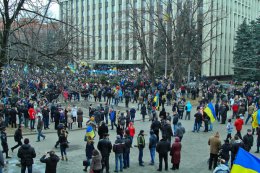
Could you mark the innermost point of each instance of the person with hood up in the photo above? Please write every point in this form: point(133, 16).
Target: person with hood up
point(51, 162)
point(26, 153)
point(163, 147)
point(152, 146)
point(180, 130)
point(176, 154)
point(96, 165)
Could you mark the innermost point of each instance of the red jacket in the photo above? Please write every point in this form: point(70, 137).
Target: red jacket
point(176, 152)
point(32, 114)
point(235, 107)
point(238, 124)
point(131, 129)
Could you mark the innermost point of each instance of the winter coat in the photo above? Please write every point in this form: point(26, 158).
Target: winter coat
point(132, 113)
point(32, 114)
point(96, 162)
point(79, 116)
point(175, 119)
point(156, 126)
point(2, 161)
point(235, 147)
point(225, 149)
point(127, 141)
point(152, 141)
point(40, 124)
point(131, 129)
point(112, 116)
point(239, 124)
point(188, 106)
point(143, 110)
point(102, 130)
point(140, 141)
point(163, 147)
point(248, 141)
point(167, 131)
point(18, 135)
point(51, 163)
point(105, 147)
point(26, 153)
point(118, 147)
point(180, 130)
point(176, 152)
point(89, 150)
point(4, 141)
point(215, 144)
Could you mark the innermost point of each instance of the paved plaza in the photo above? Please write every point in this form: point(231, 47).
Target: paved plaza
point(194, 154)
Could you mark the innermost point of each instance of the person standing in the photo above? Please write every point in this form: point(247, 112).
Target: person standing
point(32, 114)
point(79, 117)
point(105, 147)
point(152, 146)
point(163, 147)
point(39, 129)
point(215, 145)
point(118, 149)
point(4, 143)
point(26, 153)
point(51, 162)
point(175, 121)
point(102, 130)
point(143, 111)
point(229, 129)
point(248, 140)
point(89, 150)
point(13, 112)
point(180, 130)
point(2, 162)
point(156, 126)
point(235, 147)
point(225, 150)
point(18, 136)
point(131, 129)
point(96, 165)
point(239, 124)
point(127, 145)
point(188, 108)
point(63, 144)
point(141, 146)
point(46, 117)
point(112, 117)
point(176, 154)
point(74, 113)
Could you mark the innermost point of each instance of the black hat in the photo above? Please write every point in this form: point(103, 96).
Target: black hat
point(141, 131)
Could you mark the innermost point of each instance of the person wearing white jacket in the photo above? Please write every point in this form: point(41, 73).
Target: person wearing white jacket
point(74, 111)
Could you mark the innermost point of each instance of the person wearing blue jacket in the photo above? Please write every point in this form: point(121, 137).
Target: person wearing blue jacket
point(188, 108)
point(112, 117)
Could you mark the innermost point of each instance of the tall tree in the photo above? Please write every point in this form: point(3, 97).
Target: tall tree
point(243, 53)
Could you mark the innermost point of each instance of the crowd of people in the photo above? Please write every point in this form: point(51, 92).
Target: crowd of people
point(34, 109)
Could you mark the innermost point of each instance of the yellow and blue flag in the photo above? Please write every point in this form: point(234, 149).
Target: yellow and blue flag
point(245, 163)
point(210, 111)
point(90, 132)
point(256, 119)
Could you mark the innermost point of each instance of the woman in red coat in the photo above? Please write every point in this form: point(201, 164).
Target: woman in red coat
point(176, 153)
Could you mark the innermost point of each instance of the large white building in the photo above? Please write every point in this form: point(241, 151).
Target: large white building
point(107, 33)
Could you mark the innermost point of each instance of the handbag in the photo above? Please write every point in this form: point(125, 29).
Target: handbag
point(86, 163)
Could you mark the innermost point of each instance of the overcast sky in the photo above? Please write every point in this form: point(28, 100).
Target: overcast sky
point(54, 10)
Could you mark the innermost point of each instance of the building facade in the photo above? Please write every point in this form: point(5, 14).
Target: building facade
point(217, 54)
point(107, 35)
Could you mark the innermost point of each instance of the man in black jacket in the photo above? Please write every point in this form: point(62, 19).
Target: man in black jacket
point(46, 117)
point(102, 130)
point(105, 147)
point(26, 153)
point(51, 162)
point(4, 142)
point(163, 147)
point(126, 154)
point(18, 136)
point(156, 126)
point(248, 140)
point(118, 148)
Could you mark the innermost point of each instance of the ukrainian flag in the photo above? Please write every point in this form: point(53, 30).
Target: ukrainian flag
point(245, 163)
point(210, 111)
point(90, 132)
point(256, 119)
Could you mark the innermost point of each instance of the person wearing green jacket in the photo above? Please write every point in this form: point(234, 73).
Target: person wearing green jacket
point(141, 145)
